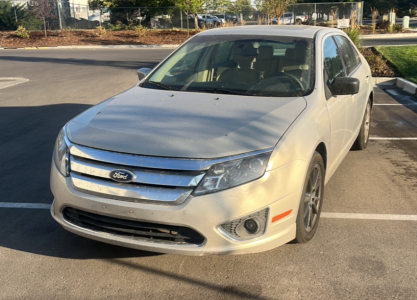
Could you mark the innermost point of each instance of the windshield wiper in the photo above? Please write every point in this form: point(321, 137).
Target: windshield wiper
point(163, 86)
point(221, 91)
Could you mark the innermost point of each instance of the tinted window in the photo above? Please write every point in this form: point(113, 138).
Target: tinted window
point(350, 55)
point(332, 60)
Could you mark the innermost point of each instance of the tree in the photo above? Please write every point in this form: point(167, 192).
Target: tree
point(273, 7)
point(217, 5)
point(241, 6)
point(42, 9)
point(128, 11)
point(11, 15)
point(190, 7)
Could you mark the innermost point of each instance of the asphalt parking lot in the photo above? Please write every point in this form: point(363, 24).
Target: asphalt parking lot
point(365, 247)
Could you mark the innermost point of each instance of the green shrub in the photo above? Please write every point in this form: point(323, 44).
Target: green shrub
point(398, 28)
point(30, 22)
point(141, 31)
point(23, 32)
point(12, 16)
point(354, 35)
point(120, 26)
point(100, 31)
point(384, 25)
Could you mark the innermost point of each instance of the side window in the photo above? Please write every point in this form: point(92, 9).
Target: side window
point(350, 55)
point(332, 61)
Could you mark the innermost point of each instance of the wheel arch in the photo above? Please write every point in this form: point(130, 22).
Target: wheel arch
point(322, 150)
point(371, 97)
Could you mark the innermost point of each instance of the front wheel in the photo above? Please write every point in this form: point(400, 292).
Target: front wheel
point(311, 201)
point(361, 141)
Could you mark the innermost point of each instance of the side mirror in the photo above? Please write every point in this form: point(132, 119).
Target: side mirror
point(143, 72)
point(344, 86)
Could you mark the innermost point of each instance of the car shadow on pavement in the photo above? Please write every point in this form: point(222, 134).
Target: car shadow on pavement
point(35, 231)
point(26, 146)
point(247, 290)
point(136, 64)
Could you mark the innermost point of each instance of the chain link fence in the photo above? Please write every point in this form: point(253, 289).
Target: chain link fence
point(79, 15)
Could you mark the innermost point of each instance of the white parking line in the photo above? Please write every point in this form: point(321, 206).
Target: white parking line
point(327, 215)
point(375, 138)
point(24, 205)
point(369, 216)
point(11, 81)
point(387, 104)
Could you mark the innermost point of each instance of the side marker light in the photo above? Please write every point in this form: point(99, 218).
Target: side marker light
point(281, 216)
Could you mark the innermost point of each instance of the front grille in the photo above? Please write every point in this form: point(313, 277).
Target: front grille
point(135, 230)
point(165, 183)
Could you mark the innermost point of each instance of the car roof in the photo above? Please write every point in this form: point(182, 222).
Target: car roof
point(301, 31)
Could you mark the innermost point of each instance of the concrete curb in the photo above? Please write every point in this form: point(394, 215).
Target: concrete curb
point(404, 84)
point(120, 47)
point(384, 80)
point(388, 36)
point(99, 47)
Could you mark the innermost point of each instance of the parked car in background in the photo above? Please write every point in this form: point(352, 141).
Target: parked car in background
point(231, 18)
point(289, 18)
point(212, 21)
point(95, 15)
point(224, 148)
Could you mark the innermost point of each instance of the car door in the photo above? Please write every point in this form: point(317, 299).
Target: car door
point(354, 68)
point(336, 105)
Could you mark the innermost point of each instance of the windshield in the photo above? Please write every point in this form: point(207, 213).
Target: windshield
point(268, 66)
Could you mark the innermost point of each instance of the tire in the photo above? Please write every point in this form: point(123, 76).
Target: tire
point(298, 22)
point(361, 141)
point(311, 201)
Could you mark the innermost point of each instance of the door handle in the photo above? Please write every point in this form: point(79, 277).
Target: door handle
point(367, 78)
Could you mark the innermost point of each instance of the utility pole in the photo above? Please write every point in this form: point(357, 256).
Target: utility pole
point(59, 14)
point(14, 6)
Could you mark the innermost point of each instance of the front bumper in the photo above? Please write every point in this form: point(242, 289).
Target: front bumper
point(278, 190)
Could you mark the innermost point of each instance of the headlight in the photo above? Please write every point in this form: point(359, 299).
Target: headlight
point(232, 173)
point(61, 153)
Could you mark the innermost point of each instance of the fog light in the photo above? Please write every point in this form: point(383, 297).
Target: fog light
point(248, 227)
point(251, 226)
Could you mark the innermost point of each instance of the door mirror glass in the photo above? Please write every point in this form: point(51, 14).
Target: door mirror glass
point(143, 72)
point(344, 86)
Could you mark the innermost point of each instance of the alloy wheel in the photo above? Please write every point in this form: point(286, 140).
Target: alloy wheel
point(312, 200)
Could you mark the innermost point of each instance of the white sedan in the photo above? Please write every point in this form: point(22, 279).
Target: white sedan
point(224, 148)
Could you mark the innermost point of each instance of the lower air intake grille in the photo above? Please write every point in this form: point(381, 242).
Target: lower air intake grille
point(133, 229)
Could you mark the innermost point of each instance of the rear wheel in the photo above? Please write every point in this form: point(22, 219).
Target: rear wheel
point(361, 141)
point(311, 201)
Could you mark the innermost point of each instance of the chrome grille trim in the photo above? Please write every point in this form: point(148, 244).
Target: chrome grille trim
point(154, 162)
point(143, 176)
point(129, 192)
point(159, 180)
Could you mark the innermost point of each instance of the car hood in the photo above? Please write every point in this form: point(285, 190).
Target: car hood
point(184, 124)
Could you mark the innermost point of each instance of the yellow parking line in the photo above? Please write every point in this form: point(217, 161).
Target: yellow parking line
point(36, 48)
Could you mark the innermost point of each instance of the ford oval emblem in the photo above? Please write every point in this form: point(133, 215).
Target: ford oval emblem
point(122, 176)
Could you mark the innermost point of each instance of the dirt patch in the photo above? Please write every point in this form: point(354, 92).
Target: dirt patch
point(380, 67)
point(9, 39)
